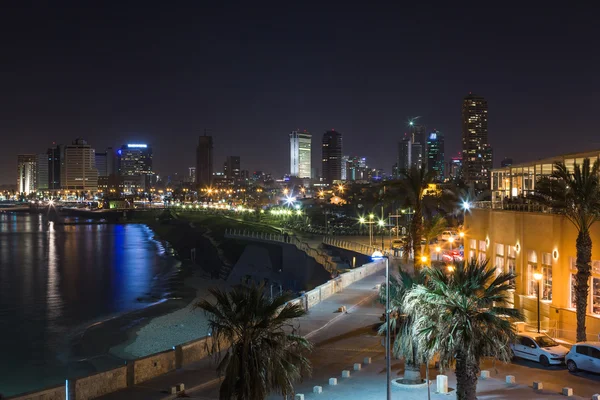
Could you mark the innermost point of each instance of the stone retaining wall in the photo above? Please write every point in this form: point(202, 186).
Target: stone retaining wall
point(100, 384)
point(55, 393)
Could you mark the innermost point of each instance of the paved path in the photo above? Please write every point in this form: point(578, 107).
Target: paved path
point(322, 322)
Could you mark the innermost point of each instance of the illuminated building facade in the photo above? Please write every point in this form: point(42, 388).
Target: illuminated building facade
point(300, 154)
point(477, 153)
point(26, 173)
point(435, 155)
point(79, 171)
point(135, 167)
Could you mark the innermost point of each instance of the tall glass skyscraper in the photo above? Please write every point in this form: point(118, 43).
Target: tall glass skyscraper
point(477, 153)
point(435, 154)
point(135, 167)
point(300, 153)
point(332, 156)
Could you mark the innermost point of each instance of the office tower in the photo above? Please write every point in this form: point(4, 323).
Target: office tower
point(231, 168)
point(345, 166)
point(105, 162)
point(395, 171)
point(506, 162)
point(477, 153)
point(332, 156)
point(435, 155)
point(78, 171)
point(56, 157)
point(41, 170)
point(454, 168)
point(135, 167)
point(26, 173)
point(204, 161)
point(192, 174)
point(418, 133)
point(409, 154)
point(300, 154)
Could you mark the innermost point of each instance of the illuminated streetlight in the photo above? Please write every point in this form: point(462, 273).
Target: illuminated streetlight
point(285, 191)
point(461, 234)
point(437, 251)
point(423, 259)
point(450, 268)
point(361, 220)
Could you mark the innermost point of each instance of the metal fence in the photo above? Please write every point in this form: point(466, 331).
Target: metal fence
point(352, 246)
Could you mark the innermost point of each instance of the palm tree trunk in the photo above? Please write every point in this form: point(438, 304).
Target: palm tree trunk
point(412, 369)
point(584, 257)
point(466, 379)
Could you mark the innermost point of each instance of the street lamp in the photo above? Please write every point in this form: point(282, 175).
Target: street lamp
point(538, 277)
point(424, 259)
point(437, 251)
point(371, 216)
point(381, 224)
point(377, 255)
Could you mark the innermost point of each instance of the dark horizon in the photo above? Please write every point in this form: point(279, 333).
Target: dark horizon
point(116, 74)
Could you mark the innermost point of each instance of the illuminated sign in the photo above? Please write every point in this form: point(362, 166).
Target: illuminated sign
point(433, 136)
point(137, 146)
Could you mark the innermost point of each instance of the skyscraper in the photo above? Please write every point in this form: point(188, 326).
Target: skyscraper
point(56, 158)
point(135, 167)
point(410, 154)
point(41, 170)
point(231, 168)
point(477, 153)
point(204, 161)
point(26, 173)
point(435, 154)
point(300, 154)
point(79, 172)
point(332, 156)
point(105, 162)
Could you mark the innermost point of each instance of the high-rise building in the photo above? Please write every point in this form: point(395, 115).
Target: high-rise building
point(56, 158)
point(477, 153)
point(135, 167)
point(26, 173)
point(418, 134)
point(300, 154)
point(345, 165)
point(79, 171)
point(454, 168)
point(231, 168)
point(410, 154)
point(204, 161)
point(192, 174)
point(105, 162)
point(41, 170)
point(435, 154)
point(332, 156)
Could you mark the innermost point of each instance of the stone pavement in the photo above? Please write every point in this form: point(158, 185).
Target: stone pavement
point(321, 323)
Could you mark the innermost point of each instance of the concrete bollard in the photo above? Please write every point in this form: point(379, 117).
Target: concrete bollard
point(538, 385)
point(332, 381)
point(510, 379)
point(357, 366)
point(342, 309)
point(367, 360)
point(485, 374)
point(180, 387)
point(173, 390)
point(318, 389)
point(596, 397)
point(299, 396)
point(567, 391)
point(442, 384)
point(345, 374)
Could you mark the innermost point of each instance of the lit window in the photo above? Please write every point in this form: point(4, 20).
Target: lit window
point(546, 277)
point(596, 295)
point(532, 284)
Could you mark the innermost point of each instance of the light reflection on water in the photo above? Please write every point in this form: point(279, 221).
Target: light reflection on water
point(54, 279)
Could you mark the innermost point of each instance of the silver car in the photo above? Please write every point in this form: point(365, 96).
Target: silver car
point(584, 356)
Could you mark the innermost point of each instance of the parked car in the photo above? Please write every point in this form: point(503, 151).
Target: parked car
point(539, 347)
point(584, 356)
point(397, 244)
point(452, 256)
point(446, 235)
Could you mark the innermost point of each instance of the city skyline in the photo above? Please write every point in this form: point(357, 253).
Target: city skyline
point(83, 80)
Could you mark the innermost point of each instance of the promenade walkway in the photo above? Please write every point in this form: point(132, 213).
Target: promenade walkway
point(322, 323)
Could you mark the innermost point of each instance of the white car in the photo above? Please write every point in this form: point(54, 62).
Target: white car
point(539, 347)
point(584, 356)
point(446, 235)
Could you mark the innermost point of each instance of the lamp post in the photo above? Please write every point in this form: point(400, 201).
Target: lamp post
point(538, 277)
point(466, 206)
point(377, 255)
point(371, 216)
point(437, 251)
point(381, 225)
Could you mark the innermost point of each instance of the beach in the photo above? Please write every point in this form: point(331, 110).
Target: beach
point(172, 328)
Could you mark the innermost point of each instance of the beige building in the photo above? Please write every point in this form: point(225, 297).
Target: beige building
point(527, 242)
point(79, 171)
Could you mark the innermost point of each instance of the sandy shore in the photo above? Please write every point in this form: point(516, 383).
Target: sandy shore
point(174, 328)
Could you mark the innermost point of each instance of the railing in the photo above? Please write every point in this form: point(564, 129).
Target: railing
point(322, 258)
point(352, 246)
point(511, 206)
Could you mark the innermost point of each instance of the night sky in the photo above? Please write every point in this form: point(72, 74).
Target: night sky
point(252, 72)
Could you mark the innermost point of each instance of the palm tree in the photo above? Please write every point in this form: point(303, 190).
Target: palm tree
point(577, 196)
point(463, 317)
point(432, 229)
point(414, 183)
point(401, 323)
point(264, 352)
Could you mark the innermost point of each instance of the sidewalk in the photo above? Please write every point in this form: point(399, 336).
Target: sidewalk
point(322, 323)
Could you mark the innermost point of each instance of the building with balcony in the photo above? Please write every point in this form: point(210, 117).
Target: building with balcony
point(518, 180)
